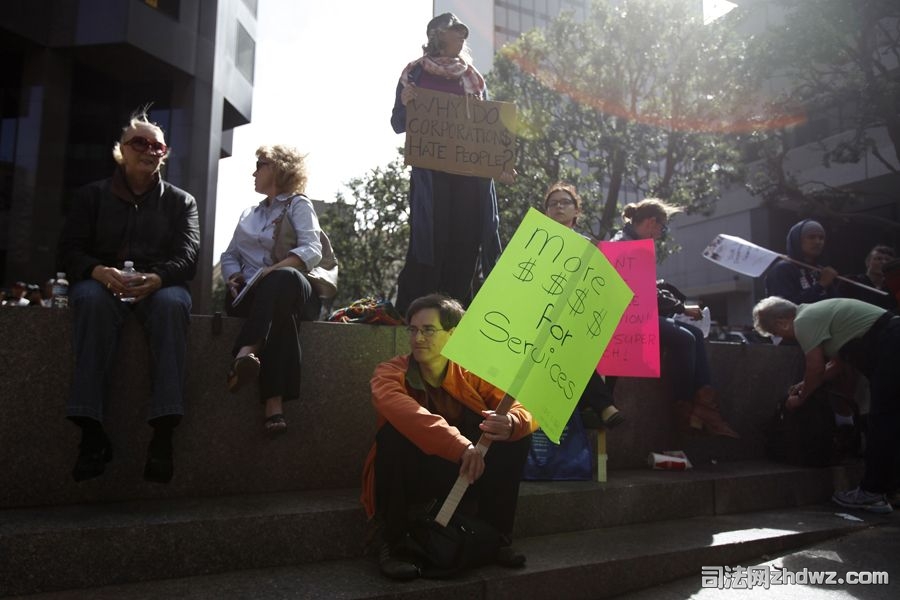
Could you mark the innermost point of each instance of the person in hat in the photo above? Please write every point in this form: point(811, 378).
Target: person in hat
point(803, 284)
point(445, 258)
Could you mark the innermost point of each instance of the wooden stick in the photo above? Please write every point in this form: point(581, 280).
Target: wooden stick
point(601, 456)
point(462, 483)
point(841, 277)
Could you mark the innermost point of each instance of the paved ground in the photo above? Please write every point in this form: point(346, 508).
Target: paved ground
point(876, 549)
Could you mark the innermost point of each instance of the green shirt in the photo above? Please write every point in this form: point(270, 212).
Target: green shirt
point(832, 323)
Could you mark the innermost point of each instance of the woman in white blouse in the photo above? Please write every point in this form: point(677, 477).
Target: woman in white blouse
point(279, 294)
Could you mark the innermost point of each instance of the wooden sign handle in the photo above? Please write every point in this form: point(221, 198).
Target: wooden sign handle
point(462, 483)
point(841, 277)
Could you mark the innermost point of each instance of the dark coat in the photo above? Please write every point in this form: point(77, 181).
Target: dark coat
point(793, 282)
point(159, 232)
point(420, 199)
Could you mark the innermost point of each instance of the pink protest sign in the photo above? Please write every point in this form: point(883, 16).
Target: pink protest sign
point(633, 350)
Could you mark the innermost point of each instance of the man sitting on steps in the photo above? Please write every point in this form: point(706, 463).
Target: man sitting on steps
point(430, 414)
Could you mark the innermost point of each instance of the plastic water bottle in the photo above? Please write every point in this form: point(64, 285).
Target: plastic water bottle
point(60, 291)
point(130, 273)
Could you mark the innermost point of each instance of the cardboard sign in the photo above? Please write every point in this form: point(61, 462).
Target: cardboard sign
point(541, 320)
point(459, 134)
point(634, 348)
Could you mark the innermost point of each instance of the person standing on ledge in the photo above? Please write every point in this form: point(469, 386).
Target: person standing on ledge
point(134, 215)
point(454, 219)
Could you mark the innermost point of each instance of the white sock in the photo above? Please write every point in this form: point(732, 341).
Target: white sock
point(843, 420)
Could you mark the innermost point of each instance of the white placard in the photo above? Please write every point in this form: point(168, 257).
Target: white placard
point(739, 255)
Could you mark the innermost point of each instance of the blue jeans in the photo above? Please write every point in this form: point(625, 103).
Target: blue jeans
point(98, 320)
point(685, 361)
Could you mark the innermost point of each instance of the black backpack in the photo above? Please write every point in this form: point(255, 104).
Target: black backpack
point(805, 436)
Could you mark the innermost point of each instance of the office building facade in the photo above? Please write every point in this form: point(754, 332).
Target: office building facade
point(74, 70)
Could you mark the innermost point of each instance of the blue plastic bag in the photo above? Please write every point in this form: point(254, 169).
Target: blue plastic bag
point(571, 460)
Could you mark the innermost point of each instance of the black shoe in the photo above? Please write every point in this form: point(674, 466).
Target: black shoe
point(509, 557)
point(92, 459)
point(159, 467)
point(393, 567)
point(590, 419)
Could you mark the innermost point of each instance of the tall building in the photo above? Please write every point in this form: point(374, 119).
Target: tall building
point(493, 24)
point(73, 72)
point(730, 296)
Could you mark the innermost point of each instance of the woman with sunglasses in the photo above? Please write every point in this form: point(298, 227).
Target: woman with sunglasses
point(134, 215)
point(681, 344)
point(280, 295)
point(562, 203)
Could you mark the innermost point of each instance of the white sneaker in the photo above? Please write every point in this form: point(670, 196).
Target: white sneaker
point(860, 498)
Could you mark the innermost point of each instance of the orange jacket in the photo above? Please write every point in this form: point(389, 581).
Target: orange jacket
point(395, 386)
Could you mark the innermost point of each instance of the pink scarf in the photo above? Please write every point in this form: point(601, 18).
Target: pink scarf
point(449, 68)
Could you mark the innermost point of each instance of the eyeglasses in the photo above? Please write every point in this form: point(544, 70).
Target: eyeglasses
point(427, 331)
point(262, 163)
point(561, 202)
point(146, 146)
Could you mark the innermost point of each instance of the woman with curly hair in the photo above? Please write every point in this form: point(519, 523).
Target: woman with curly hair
point(280, 296)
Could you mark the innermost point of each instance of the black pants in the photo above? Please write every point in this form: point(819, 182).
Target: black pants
point(273, 309)
point(685, 364)
point(406, 478)
point(598, 394)
point(456, 228)
point(878, 357)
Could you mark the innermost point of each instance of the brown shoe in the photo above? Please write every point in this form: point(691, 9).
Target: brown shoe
point(706, 411)
point(685, 420)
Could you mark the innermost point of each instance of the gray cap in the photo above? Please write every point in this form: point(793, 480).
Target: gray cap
point(444, 22)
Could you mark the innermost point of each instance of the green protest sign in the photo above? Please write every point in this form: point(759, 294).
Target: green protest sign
point(542, 319)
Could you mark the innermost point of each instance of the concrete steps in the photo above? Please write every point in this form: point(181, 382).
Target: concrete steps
point(874, 551)
point(247, 516)
point(72, 547)
point(593, 563)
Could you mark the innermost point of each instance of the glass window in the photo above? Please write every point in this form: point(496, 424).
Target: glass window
point(252, 5)
point(513, 23)
point(500, 16)
point(552, 8)
point(245, 54)
point(171, 8)
point(527, 22)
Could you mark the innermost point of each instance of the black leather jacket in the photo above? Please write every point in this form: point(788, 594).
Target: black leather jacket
point(160, 231)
